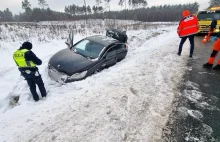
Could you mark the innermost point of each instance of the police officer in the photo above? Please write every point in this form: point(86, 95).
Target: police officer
point(27, 63)
point(188, 27)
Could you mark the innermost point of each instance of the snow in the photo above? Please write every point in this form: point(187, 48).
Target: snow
point(194, 95)
point(130, 101)
point(195, 114)
point(205, 132)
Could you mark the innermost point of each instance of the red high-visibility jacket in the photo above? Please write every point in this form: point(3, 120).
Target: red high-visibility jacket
point(188, 26)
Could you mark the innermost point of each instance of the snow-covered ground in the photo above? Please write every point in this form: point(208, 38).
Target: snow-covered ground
point(130, 101)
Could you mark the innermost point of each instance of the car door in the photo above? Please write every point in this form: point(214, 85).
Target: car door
point(121, 51)
point(109, 58)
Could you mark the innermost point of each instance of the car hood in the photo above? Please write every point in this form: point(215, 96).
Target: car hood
point(69, 62)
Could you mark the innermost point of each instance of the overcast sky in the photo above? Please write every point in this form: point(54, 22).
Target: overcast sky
point(58, 5)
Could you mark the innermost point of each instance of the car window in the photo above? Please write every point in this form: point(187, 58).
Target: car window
point(88, 48)
point(111, 52)
point(120, 47)
point(81, 45)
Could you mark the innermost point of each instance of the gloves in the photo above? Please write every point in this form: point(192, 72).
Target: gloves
point(214, 38)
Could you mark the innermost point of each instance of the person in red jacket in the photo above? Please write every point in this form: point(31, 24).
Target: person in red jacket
point(188, 27)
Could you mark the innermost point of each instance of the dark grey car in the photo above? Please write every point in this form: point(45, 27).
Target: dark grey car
point(86, 57)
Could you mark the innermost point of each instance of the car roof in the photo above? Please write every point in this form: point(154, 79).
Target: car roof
point(104, 40)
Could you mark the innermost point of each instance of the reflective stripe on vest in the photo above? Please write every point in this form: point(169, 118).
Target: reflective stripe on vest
point(193, 26)
point(20, 59)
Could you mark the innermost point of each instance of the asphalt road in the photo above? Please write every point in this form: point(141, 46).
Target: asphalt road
point(205, 101)
point(209, 84)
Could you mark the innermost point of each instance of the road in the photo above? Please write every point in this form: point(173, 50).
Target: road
point(196, 115)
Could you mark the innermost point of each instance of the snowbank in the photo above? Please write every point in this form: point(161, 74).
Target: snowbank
point(130, 101)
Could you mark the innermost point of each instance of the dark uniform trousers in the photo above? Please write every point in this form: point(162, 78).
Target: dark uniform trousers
point(32, 80)
point(191, 40)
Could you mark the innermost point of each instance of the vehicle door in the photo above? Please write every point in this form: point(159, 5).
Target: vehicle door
point(121, 51)
point(109, 58)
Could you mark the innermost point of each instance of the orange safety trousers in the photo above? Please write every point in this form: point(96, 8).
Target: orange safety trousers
point(215, 51)
point(207, 38)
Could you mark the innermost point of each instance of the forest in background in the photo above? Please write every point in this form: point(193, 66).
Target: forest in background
point(134, 10)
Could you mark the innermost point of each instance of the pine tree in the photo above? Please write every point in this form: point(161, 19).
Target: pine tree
point(98, 2)
point(89, 10)
point(94, 8)
point(137, 3)
point(100, 9)
point(7, 15)
point(26, 6)
point(108, 5)
point(42, 3)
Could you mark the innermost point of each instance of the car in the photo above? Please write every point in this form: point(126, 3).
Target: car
point(88, 56)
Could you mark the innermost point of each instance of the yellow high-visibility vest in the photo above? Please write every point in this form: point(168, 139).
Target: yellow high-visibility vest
point(20, 59)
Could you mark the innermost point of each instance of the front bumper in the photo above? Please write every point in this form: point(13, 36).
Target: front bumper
point(64, 78)
point(206, 29)
point(56, 75)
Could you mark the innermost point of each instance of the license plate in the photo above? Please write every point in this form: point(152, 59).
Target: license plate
point(55, 75)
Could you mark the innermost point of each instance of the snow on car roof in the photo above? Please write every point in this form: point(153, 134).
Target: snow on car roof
point(104, 40)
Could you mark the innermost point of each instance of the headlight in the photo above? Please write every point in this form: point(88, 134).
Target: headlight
point(78, 75)
point(217, 30)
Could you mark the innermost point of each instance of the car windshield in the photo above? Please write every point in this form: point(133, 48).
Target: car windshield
point(208, 16)
point(88, 48)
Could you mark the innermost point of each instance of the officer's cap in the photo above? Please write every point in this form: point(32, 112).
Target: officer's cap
point(27, 45)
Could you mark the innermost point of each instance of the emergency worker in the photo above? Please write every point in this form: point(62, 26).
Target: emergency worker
point(216, 49)
point(27, 63)
point(212, 28)
point(216, 46)
point(188, 27)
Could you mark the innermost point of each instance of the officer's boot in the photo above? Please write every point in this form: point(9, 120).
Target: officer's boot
point(208, 65)
point(217, 67)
